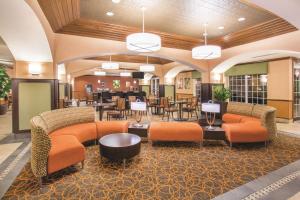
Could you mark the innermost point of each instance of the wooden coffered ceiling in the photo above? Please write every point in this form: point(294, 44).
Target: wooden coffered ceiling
point(65, 17)
point(132, 59)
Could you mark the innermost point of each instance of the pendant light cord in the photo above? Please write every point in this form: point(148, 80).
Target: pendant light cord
point(143, 10)
point(205, 34)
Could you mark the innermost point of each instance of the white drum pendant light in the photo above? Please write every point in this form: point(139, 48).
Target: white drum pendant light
point(147, 67)
point(110, 65)
point(206, 51)
point(143, 42)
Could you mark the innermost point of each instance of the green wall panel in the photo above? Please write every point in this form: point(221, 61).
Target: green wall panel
point(34, 98)
point(248, 69)
point(169, 91)
point(146, 88)
point(196, 74)
point(61, 91)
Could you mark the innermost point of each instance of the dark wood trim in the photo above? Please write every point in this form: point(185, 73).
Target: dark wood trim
point(280, 100)
point(15, 92)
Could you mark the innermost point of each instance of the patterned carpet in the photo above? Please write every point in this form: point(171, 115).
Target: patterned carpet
point(163, 171)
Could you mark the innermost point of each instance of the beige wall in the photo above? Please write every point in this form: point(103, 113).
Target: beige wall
point(280, 87)
point(21, 71)
point(280, 80)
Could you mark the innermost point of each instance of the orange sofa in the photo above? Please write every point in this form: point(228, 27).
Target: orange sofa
point(244, 123)
point(175, 131)
point(57, 137)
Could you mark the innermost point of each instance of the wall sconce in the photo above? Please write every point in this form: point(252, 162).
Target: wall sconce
point(69, 78)
point(35, 68)
point(217, 77)
point(134, 82)
point(99, 81)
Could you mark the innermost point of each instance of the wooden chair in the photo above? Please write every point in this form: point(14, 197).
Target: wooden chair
point(131, 99)
point(120, 110)
point(161, 105)
point(151, 103)
point(191, 108)
point(168, 109)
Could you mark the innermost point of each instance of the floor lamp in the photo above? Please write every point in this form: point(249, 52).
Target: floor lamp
point(212, 109)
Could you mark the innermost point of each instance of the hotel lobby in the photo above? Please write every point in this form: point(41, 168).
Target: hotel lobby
point(149, 99)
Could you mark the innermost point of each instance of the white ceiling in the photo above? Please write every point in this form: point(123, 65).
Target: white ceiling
point(22, 32)
point(286, 9)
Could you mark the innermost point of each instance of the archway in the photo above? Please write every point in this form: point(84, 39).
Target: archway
point(23, 33)
point(253, 57)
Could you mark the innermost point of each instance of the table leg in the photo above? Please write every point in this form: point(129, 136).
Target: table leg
point(124, 163)
point(180, 111)
point(100, 113)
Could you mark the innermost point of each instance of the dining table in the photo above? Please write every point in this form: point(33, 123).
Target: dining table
point(102, 106)
point(180, 104)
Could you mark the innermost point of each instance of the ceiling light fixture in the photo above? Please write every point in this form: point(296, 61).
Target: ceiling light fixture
point(221, 27)
point(110, 13)
point(241, 19)
point(147, 67)
point(125, 74)
point(110, 65)
point(99, 73)
point(116, 1)
point(143, 42)
point(206, 51)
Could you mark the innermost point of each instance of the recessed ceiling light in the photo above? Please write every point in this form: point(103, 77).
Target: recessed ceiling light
point(116, 1)
point(109, 13)
point(221, 27)
point(241, 19)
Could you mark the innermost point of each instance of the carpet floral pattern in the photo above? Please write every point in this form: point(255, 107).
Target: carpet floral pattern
point(163, 171)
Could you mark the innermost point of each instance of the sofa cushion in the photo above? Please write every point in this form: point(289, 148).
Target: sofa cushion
point(60, 118)
point(109, 127)
point(65, 151)
point(245, 132)
point(83, 132)
point(175, 131)
point(240, 108)
point(231, 118)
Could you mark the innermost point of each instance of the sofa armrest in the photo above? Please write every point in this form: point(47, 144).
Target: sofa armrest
point(40, 148)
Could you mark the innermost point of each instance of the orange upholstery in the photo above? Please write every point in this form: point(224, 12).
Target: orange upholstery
point(108, 127)
point(231, 118)
point(245, 132)
point(175, 131)
point(250, 119)
point(65, 150)
point(83, 132)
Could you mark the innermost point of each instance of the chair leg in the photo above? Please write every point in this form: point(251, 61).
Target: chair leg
point(230, 145)
point(168, 116)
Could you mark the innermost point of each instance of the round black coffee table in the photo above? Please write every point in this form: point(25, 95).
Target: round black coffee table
point(120, 146)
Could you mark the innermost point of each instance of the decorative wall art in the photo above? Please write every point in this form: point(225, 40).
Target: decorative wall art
point(187, 83)
point(116, 84)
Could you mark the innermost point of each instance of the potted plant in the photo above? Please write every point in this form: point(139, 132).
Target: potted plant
point(221, 95)
point(5, 85)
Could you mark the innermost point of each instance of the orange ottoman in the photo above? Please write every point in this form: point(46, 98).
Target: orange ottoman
point(251, 131)
point(65, 151)
point(175, 131)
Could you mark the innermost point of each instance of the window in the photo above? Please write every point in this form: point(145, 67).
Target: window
point(249, 88)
